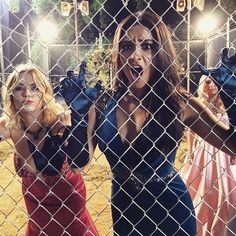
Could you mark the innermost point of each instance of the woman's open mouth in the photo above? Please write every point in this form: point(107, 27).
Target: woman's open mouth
point(136, 72)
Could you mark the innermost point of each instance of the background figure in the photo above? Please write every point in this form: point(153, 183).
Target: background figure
point(207, 172)
point(54, 192)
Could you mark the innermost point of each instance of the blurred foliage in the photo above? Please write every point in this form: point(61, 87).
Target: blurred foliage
point(36, 52)
point(99, 65)
point(43, 6)
point(72, 62)
point(14, 5)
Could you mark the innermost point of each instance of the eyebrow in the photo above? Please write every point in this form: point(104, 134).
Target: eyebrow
point(140, 40)
point(24, 84)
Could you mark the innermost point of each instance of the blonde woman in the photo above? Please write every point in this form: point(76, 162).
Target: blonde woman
point(207, 172)
point(53, 189)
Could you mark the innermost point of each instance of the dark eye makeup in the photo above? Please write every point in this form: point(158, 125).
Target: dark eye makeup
point(21, 88)
point(145, 45)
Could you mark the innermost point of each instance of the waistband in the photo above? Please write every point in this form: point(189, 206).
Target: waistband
point(137, 180)
point(23, 173)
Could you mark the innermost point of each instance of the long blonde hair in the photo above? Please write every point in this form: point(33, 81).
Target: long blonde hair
point(203, 95)
point(50, 109)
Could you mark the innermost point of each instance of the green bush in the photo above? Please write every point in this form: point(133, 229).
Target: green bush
point(99, 65)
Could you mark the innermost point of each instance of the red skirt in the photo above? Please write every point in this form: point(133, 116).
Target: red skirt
point(57, 205)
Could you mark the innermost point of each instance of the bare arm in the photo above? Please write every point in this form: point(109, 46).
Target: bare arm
point(200, 119)
point(4, 131)
point(190, 140)
point(92, 140)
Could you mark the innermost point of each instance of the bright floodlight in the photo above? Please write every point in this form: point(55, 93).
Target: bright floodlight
point(47, 30)
point(207, 24)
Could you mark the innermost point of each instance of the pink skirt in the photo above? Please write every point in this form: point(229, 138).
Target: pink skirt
point(212, 186)
point(56, 205)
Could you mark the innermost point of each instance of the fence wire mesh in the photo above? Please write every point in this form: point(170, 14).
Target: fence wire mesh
point(57, 36)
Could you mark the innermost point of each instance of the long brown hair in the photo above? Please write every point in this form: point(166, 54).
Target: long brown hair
point(50, 109)
point(164, 100)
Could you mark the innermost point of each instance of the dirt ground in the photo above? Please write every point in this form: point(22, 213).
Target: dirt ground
point(13, 216)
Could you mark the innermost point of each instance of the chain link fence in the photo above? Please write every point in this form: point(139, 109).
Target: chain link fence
point(74, 31)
